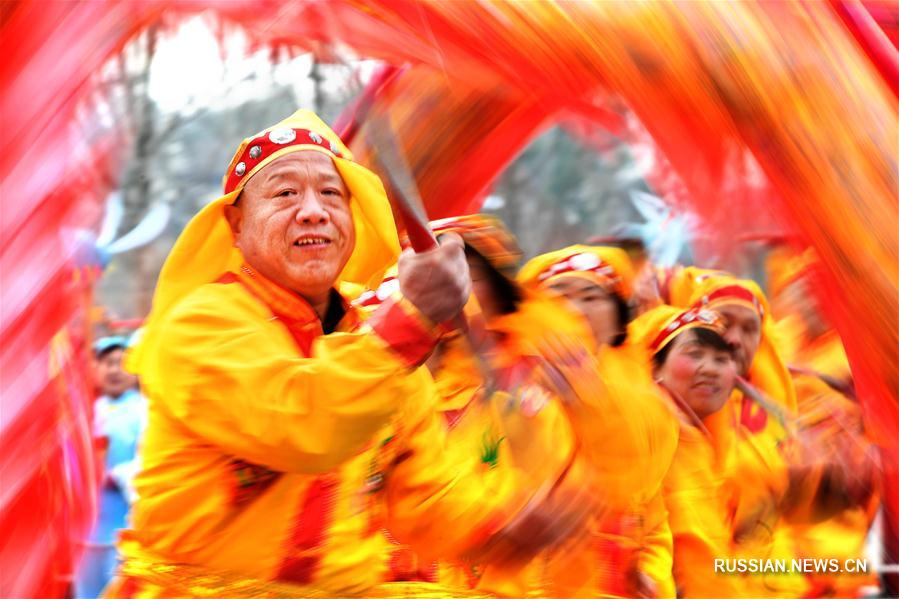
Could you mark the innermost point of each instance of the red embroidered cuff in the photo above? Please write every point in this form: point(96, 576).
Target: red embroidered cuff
point(408, 332)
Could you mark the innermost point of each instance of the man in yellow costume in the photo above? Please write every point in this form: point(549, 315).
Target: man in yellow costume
point(630, 550)
point(284, 433)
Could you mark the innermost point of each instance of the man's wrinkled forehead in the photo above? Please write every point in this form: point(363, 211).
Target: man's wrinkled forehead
point(736, 313)
point(286, 167)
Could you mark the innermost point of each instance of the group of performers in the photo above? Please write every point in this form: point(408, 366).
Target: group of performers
point(331, 416)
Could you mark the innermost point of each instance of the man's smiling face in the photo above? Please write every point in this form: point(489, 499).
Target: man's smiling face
point(293, 223)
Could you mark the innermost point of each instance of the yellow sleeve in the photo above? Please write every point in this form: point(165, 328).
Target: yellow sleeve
point(656, 553)
point(232, 375)
point(440, 500)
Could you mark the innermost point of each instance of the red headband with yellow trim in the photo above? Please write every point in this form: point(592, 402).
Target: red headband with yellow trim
point(266, 144)
point(692, 318)
point(607, 267)
point(488, 236)
point(730, 294)
point(584, 262)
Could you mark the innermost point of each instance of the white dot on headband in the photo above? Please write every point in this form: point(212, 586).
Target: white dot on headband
point(282, 136)
point(707, 316)
point(584, 261)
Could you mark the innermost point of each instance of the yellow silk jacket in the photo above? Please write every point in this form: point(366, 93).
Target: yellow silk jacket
point(275, 453)
point(724, 494)
point(702, 501)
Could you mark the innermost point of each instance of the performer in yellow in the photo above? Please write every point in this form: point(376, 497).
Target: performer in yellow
point(284, 434)
point(831, 419)
point(769, 457)
point(695, 365)
point(630, 552)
